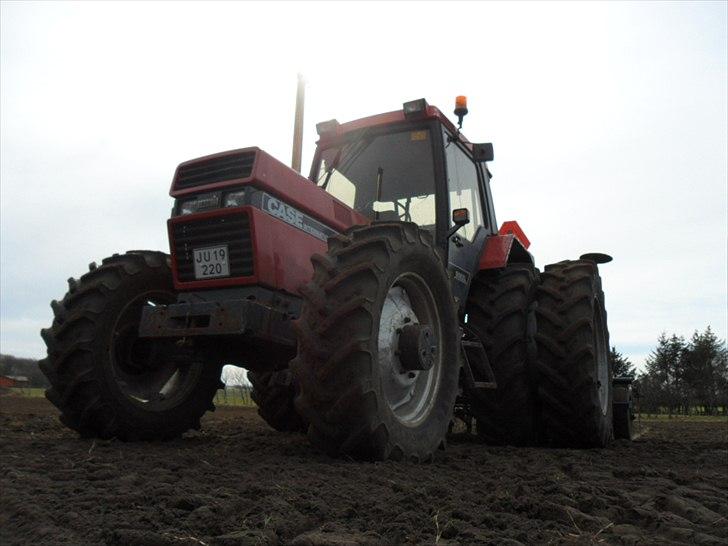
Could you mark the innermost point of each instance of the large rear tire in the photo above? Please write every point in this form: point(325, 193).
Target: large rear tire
point(623, 408)
point(273, 392)
point(623, 422)
point(501, 313)
point(574, 374)
point(380, 291)
point(105, 380)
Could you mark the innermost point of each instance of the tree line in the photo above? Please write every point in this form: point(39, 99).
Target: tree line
point(681, 376)
point(14, 366)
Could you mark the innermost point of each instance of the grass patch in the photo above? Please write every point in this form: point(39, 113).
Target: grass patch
point(675, 417)
point(27, 392)
point(233, 396)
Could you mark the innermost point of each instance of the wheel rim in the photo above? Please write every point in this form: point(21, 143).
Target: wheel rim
point(602, 360)
point(150, 373)
point(409, 394)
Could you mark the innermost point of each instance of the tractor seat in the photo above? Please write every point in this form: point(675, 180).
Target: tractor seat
point(387, 216)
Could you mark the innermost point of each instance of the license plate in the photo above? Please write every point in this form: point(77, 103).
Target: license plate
point(211, 262)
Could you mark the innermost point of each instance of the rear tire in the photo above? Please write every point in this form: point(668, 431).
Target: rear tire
point(273, 392)
point(353, 390)
point(105, 380)
point(623, 409)
point(574, 374)
point(501, 313)
point(623, 422)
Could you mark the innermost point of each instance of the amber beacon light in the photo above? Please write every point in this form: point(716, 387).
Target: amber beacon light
point(461, 108)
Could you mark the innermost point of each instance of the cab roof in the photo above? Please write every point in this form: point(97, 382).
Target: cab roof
point(390, 118)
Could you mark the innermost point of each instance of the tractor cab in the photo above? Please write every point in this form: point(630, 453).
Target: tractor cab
point(413, 165)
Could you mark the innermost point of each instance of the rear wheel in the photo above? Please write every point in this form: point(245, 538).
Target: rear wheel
point(273, 393)
point(623, 409)
point(574, 374)
point(377, 364)
point(623, 422)
point(107, 381)
point(501, 313)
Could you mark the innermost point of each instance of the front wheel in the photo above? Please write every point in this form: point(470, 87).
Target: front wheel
point(106, 381)
point(377, 365)
point(273, 393)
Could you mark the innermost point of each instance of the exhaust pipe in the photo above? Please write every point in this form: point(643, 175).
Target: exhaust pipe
point(298, 125)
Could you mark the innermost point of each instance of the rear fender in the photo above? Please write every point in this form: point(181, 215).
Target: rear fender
point(510, 245)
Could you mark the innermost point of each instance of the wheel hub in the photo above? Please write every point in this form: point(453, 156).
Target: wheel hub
point(417, 347)
point(150, 373)
point(409, 355)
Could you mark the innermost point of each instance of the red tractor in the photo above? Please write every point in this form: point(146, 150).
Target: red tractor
point(371, 303)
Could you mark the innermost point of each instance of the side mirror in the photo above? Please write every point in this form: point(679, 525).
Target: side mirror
point(483, 152)
point(460, 217)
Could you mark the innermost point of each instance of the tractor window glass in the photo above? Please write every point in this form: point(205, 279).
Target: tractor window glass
point(387, 176)
point(463, 187)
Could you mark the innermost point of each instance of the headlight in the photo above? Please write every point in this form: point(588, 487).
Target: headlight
point(199, 203)
point(188, 207)
point(235, 199)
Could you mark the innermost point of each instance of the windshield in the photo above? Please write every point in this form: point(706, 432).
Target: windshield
point(387, 176)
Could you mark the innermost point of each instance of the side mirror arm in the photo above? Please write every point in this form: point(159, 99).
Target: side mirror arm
point(460, 217)
point(453, 230)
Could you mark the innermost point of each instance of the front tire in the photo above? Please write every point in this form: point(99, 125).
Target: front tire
point(273, 392)
point(378, 292)
point(105, 380)
point(574, 374)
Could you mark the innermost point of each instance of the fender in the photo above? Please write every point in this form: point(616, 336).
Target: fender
point(510, 245)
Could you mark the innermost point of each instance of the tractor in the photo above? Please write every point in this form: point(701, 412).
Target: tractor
point(371, 303)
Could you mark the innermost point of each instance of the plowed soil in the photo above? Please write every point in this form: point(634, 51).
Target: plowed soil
point(239, 483)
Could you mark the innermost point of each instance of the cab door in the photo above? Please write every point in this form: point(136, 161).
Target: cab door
point(464, 190)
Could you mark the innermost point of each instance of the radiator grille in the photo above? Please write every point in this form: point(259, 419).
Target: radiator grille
point(218, 169)
point(232, 230)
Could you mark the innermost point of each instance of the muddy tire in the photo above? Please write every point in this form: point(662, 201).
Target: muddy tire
point(623, 423)
point(273, 392)
point(104, 379)
point(623, 408)
point(375, 287)
point(573, 371)
point(501, 313)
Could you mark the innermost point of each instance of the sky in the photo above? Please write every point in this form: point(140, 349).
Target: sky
point(609, 122)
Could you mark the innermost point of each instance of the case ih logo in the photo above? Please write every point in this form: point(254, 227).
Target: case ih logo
point(295, 217)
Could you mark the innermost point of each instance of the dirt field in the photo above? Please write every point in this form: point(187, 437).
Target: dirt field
point(239, 483)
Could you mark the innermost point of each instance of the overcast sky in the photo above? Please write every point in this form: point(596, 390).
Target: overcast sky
point(609, 121)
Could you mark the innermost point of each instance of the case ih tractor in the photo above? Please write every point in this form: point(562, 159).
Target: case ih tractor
point(370, 302)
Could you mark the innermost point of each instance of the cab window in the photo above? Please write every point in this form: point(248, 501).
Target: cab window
point(385, 176)
point(463, 186)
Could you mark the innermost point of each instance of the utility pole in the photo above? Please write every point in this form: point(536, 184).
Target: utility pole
point(298, 125)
